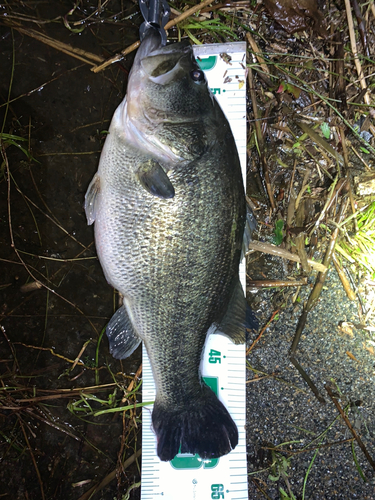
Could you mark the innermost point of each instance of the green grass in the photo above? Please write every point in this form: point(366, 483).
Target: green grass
point(360, 247)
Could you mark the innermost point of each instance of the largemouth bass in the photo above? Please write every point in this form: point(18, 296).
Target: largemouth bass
point(169, 209)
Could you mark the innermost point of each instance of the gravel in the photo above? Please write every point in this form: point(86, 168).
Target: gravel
point(282, 409)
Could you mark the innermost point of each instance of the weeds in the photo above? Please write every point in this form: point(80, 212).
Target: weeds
point(212, 27)
point(359, 246)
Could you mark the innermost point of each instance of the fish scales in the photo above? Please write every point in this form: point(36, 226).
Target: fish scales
point(169, 210)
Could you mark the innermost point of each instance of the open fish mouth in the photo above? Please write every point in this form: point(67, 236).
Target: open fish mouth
point(157, 60)
point(152, 45)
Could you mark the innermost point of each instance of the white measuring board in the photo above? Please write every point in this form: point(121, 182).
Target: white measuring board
point(187, 477)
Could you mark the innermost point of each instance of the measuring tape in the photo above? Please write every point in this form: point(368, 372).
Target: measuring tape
point(188, 477)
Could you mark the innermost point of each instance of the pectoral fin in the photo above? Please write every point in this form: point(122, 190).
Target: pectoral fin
point(123, 339)
point(233, 323)
point(91, 199)
point(155, 180)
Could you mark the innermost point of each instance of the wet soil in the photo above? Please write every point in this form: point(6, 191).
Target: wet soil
point(62, 110)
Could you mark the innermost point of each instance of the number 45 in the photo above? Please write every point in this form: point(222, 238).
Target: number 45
point(217, 491)
point(214, 357)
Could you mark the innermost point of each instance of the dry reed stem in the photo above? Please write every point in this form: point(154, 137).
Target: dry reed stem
point(350, 427)
point(354, 50)
point(257, 52)
point(82, 55)
point(32, 457)
point(110, 477)
point(344, 280)
point(280, 252)
point(251, 347)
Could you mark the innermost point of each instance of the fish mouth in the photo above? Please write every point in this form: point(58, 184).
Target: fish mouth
point(151, 92)
point(152, 46)
point(165, 64)
point(173, 48)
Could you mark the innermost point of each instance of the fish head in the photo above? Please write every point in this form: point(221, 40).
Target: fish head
point(169, 103)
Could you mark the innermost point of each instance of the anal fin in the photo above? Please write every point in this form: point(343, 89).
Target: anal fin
point(233, 323)
point(123, 339)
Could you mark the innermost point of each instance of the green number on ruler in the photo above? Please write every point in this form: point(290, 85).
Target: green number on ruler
point(214, 356)
point(217, 491)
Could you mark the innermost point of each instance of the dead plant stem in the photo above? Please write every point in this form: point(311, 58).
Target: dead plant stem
point(32, 457)
point(347, 421)
point(259, 136)
point(353, 45)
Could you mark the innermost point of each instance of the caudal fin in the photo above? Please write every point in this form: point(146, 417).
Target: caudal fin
point(204, 427)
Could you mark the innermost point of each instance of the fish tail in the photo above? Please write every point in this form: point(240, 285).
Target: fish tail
point(203, 427)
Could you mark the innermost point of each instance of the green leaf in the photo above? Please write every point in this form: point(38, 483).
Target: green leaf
point(279, 234)
point(309, 64)
point(11, 137)
point(326, 130)
point(273, 478)
point(284, 495)
point(288, 87)
point(360, 472)
point(364, 150)
point(12, 140)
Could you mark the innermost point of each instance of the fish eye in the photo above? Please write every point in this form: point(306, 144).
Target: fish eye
point(197, 75)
